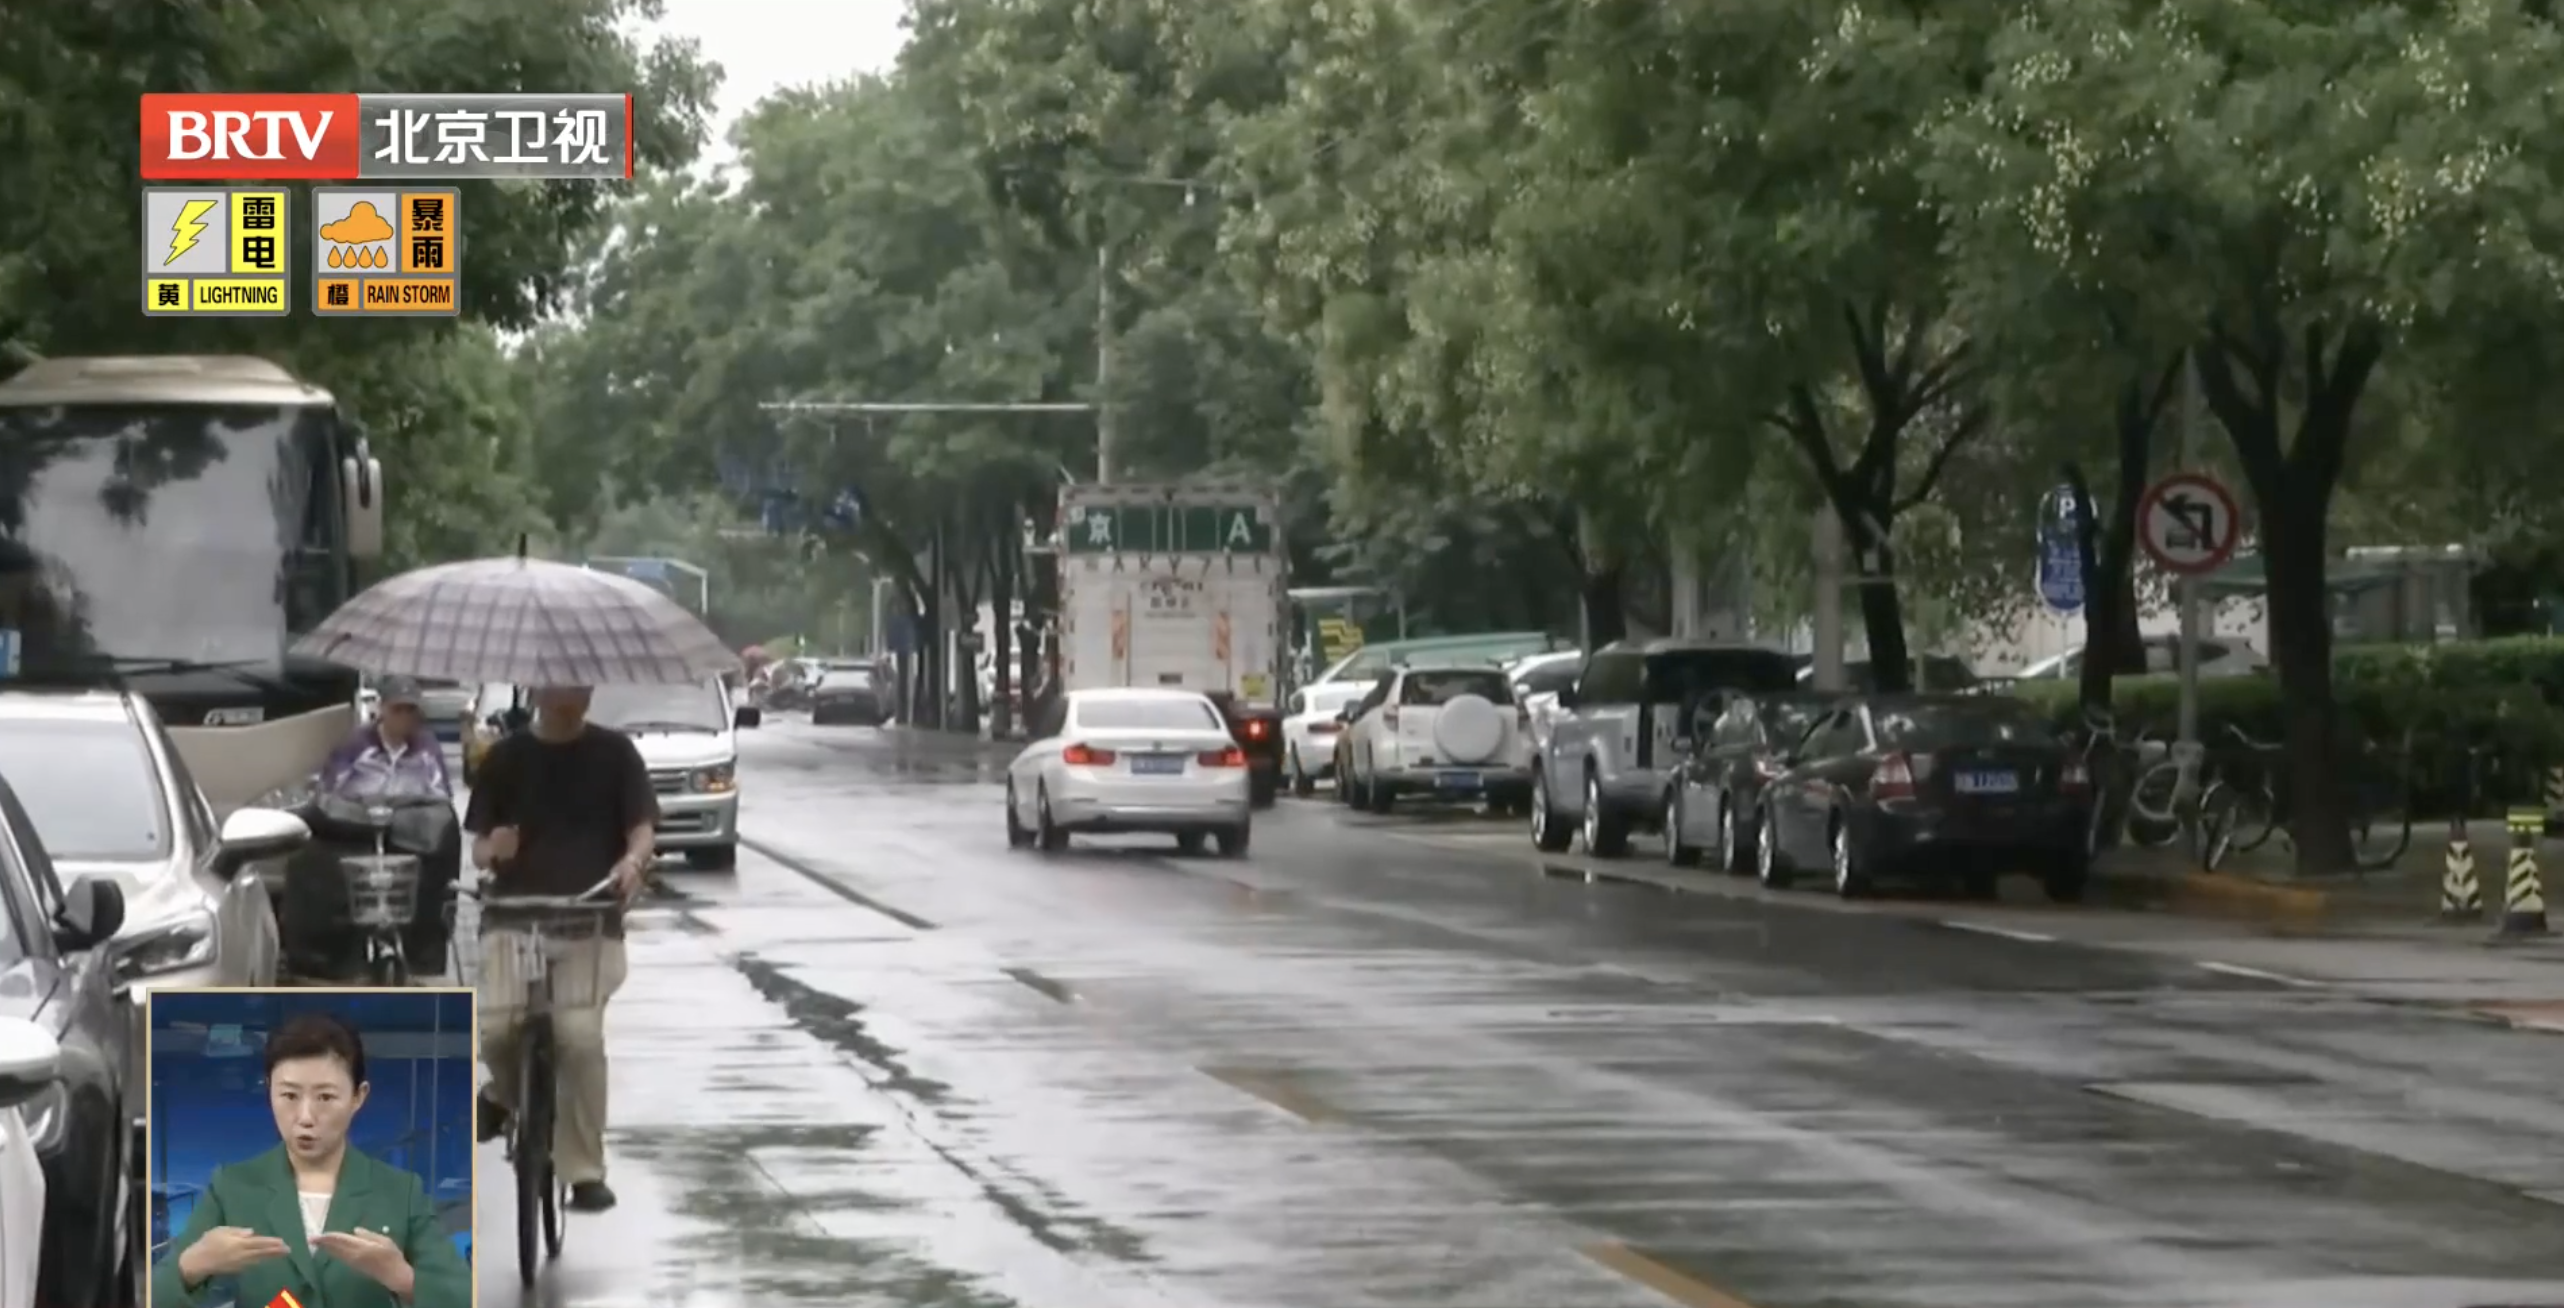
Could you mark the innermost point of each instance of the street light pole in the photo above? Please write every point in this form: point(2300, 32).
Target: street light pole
point(1103, 365)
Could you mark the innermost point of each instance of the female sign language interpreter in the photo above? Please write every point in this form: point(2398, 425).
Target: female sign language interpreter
point(313, 1216)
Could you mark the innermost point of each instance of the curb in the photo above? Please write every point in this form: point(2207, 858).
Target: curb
point(2211, 895)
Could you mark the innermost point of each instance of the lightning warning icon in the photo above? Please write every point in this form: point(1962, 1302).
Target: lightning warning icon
point(183, 233)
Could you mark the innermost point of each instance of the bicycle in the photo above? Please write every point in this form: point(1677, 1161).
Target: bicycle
point(2240, 816)
point(2238, 807)
point(2133, 798)
point(526, 925)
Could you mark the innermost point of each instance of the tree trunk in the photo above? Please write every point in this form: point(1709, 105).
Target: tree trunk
point(2106, 545)
point(1883, 621)
point(2293, 543)
point(1001, 599)
point(1600, 595)
point(1606, 620)
point(2292, 488)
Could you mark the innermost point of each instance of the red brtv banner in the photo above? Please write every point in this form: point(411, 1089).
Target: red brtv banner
point(222, 136)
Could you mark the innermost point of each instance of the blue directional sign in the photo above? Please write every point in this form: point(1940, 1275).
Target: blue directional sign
point(2060, 559)
point(646, 569)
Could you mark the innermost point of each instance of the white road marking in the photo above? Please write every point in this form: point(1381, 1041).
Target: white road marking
point(1980, 928)
point(2257, 974)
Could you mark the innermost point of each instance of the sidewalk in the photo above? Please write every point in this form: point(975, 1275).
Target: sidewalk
point(2263, 885)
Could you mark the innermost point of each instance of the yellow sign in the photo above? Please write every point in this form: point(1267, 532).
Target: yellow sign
point(243, 295)
point(385, 251)
point(409, 295)
point(216, 251)
point(1338, 637)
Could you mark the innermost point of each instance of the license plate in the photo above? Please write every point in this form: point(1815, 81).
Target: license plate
point(1989, 783)
point(1459, 781)
point(1157, 765)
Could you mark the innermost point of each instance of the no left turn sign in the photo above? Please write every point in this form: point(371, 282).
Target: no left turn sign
point(2189, 523)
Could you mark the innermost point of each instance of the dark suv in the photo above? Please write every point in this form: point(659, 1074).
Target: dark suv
point(55, 972)
point(1610, 754)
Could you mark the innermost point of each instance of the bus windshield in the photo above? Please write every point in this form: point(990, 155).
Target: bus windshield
point(133, 534)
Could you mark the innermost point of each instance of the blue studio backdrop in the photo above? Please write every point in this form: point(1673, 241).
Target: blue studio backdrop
point(209, 1091)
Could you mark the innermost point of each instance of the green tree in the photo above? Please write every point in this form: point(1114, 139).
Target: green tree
point(2296, 190)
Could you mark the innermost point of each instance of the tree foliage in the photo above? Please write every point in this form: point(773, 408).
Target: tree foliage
point(1518, 296)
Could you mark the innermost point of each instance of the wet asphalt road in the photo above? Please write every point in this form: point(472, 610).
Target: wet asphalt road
point(893, 1063)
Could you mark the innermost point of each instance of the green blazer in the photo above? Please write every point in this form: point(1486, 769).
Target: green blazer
point(259, 1194)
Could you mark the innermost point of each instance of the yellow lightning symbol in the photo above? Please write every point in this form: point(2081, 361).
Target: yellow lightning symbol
point(190, 225)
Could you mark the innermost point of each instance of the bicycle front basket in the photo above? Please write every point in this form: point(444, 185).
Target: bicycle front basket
point(382, 889)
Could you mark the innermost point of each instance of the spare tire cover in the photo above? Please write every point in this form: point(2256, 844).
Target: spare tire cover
point(1469, 729)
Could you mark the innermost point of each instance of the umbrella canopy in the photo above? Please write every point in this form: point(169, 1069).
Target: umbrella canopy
point(522, 621)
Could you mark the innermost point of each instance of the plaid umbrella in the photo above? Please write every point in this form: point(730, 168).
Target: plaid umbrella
point(521, 621)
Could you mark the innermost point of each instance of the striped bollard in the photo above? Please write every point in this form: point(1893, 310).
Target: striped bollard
point(2523, 896)
point(2461, 896)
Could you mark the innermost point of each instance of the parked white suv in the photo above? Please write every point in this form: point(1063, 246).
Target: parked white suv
point(1450, 732)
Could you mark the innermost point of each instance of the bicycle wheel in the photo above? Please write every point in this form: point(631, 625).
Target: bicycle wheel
point(533, 1151)
point(2213, 839)
point(2150, 820)
point(556, 1215)
point(2256, 816)
point(2381, 828)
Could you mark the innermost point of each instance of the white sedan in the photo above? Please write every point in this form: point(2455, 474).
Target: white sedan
point(1131, 760)
point(29, 1063)
point(1308, 733)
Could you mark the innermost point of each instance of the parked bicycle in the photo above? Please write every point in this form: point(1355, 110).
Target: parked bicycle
point(530, 937)
point(2135, 783)
point(2244, 804)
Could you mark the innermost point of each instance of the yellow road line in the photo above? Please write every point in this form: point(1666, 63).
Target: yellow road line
point(1274, 1088)
point(1680, 1287)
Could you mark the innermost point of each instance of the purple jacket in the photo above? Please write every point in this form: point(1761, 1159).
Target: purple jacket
point(362, 765)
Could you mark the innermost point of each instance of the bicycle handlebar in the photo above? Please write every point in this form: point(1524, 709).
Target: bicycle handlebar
point(585, 901)
point(2245, 739)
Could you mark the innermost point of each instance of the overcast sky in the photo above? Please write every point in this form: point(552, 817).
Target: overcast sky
point(765, 45)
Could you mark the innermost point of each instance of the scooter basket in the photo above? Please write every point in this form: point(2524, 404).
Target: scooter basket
point(382, 890)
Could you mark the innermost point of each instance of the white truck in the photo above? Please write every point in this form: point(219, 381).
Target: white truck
point(1180, 584)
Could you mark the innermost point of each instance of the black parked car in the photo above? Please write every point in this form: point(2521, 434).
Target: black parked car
point(1730, 751)
point(55, 971)
point(847, 692)
point(1960, 787)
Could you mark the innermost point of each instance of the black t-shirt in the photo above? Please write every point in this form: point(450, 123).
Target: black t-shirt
point(571, 803)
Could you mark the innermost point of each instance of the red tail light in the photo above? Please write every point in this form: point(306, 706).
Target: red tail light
point(2075, 776)
point(1256, 727)
point(1894, 778)
point(1232, 757)
point(1081, 756)
point(1389, 715)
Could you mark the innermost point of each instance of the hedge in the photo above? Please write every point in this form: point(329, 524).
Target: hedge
point(2503, 696)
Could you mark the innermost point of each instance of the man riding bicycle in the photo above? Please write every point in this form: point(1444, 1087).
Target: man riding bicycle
point(559, 808)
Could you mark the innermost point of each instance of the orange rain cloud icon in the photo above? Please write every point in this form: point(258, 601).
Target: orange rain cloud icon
point(362, 226)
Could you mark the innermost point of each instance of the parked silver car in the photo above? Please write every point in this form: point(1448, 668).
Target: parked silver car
point(1610, 755)
point(110, 797)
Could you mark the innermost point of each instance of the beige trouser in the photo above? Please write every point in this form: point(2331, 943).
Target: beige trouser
point(585, 974)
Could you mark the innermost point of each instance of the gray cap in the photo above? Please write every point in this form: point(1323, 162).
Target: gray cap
point(397, 690)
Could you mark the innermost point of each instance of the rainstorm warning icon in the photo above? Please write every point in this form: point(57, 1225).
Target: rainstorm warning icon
point(356, 240)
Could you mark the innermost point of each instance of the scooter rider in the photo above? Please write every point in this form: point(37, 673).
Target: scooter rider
point(393, 758)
